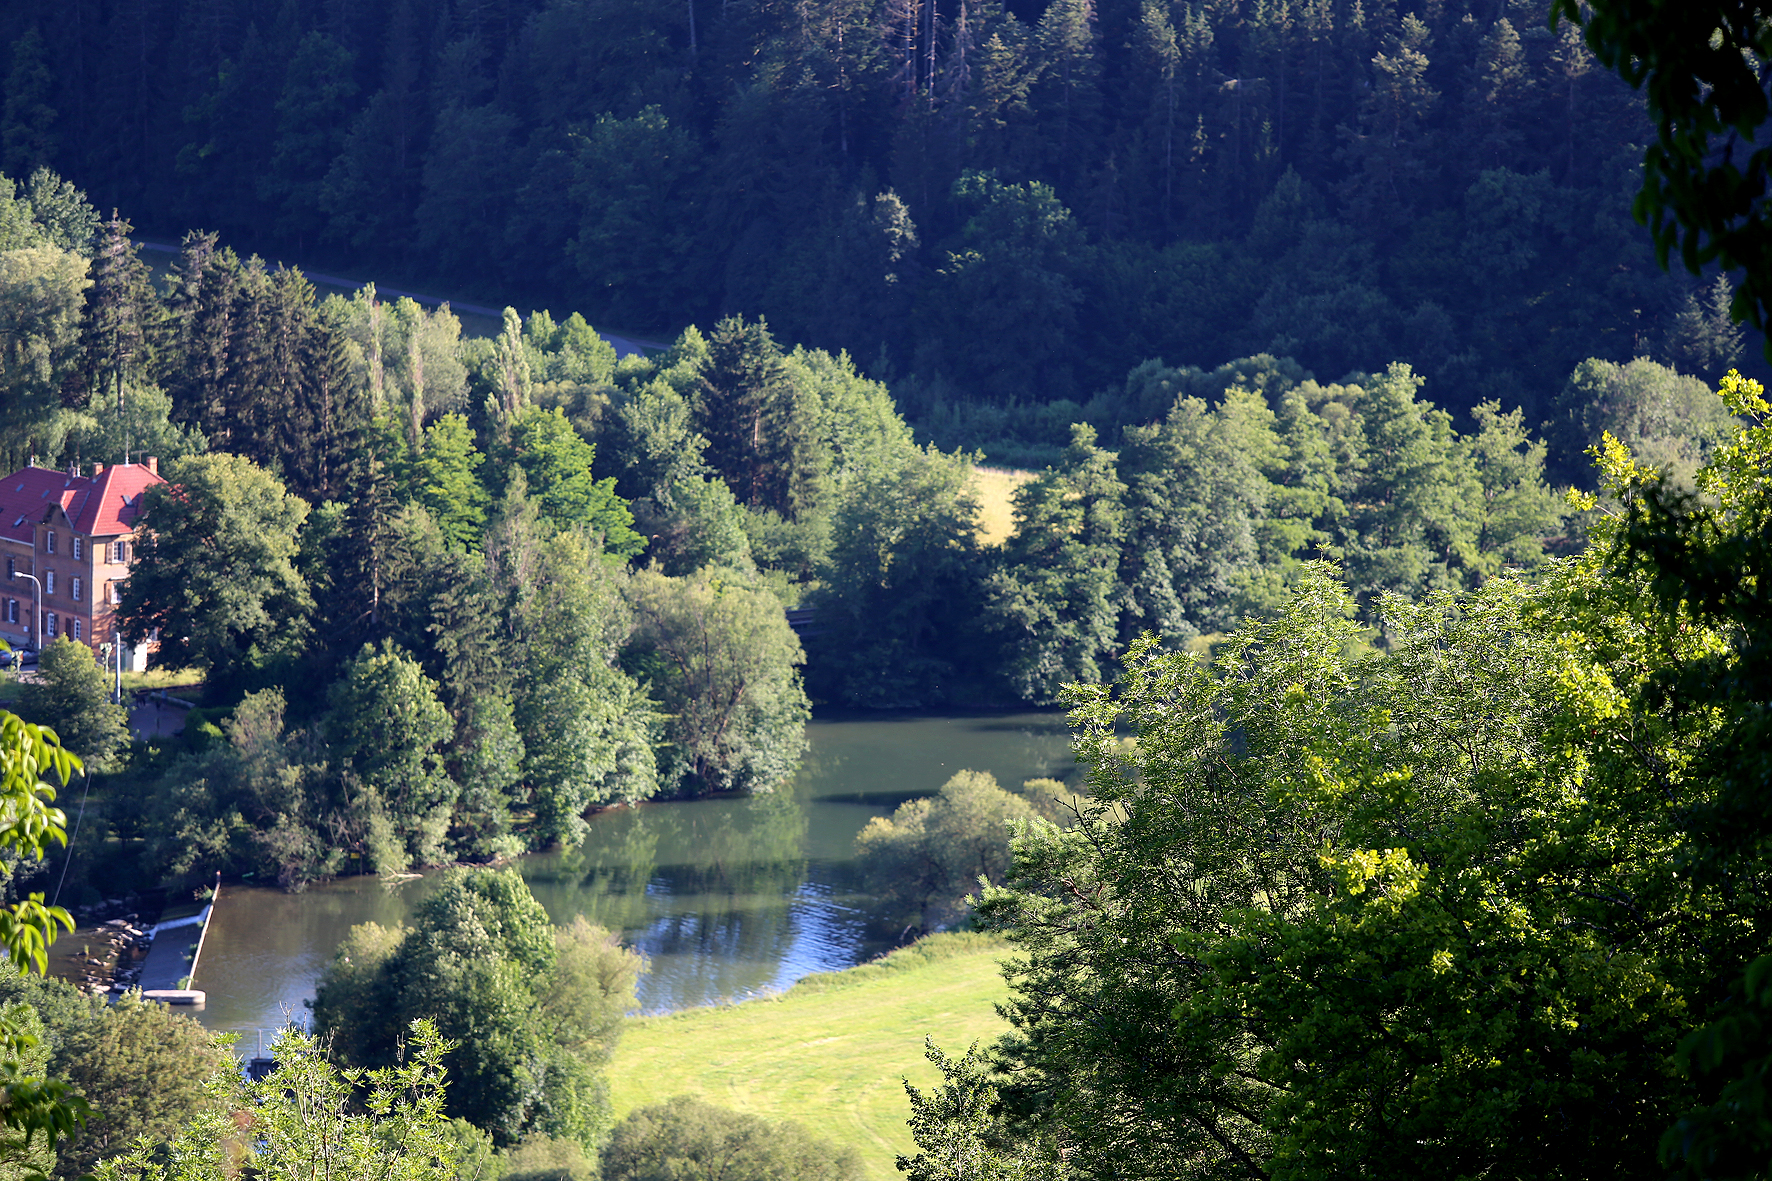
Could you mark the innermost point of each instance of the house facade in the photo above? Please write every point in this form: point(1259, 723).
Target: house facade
point(75, 535)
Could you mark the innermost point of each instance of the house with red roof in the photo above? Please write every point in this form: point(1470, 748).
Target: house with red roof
point(66, 543)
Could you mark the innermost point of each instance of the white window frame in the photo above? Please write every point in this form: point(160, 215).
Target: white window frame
point(75, 544)
point(116, 593)
point(49, 582)
point(49, 625)
point(49, 541)
point(74, 588)
point(12, 611)
point(74, 627)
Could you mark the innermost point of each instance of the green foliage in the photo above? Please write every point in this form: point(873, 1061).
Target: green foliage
point(140, 423)
point(587, 729)
point(1664, 418)
point(385, 724)
point(1481, 902)
point(442, 479)
point(1004, 307)
point(762, 427)
point(106, 1053)
point(41, 293)
point(1698, 67)
point(633, 179)
point(1055, 594)
point(1325, 872)
point(33, 1105)
point(1703, 563)
point(262, 801)
point(960, 1132)
point(72, 696)
point(557, 464)
point(718, 653)
point(898, 609)
point(935, 852)
point(214, 568)
point(542, 1158)
point(687, 1139)
point(310, 1115)
point(538, 1009)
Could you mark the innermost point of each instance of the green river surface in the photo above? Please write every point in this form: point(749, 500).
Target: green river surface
point(727, 898)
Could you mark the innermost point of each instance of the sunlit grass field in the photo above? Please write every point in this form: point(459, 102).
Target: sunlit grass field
point(995, 485)
point(831, 1051)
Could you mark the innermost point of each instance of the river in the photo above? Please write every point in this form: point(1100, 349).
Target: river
point(726, 897)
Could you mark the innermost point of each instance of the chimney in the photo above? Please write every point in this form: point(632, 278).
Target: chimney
point(153, 465)
point(74, 471)
point(98, 469)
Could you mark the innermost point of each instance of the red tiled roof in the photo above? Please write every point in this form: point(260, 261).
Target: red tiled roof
point(102, 505)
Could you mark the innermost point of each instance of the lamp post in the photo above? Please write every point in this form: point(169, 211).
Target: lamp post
point(36, 611)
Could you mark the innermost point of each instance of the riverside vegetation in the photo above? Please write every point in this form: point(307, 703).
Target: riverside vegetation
point(448, 594)
point(1428, 864)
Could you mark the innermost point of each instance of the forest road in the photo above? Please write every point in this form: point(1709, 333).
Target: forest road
point(625, 346)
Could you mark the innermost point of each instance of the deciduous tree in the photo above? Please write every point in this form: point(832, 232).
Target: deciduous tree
point(214, 572)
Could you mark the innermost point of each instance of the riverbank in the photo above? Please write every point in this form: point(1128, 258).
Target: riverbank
point(829, 1052)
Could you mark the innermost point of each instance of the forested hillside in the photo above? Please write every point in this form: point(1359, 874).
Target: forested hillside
point(986, 203)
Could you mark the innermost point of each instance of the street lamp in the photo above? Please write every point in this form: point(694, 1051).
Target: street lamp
point(36, 610)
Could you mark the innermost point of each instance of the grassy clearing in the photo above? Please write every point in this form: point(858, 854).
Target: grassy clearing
point(180, 682)
point(831, 1051)
point(995, 485)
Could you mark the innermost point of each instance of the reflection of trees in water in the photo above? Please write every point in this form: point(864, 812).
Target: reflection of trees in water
point(820, 766)
point(706, 889)
point(605, 878)
point(725, 855)
point(749, 847)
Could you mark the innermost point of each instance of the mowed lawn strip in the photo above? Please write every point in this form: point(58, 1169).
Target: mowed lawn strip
point(831, 1051)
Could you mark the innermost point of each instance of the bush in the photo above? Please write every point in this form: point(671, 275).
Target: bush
point(929, 856)
point(687, 1139)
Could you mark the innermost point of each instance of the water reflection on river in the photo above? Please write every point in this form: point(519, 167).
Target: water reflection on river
point(726, 897)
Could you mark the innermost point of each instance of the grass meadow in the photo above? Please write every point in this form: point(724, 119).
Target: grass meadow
point(831, 1051)
point(996, 515)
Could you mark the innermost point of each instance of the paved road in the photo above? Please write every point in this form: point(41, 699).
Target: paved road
point(155, 719)
point(625, 346)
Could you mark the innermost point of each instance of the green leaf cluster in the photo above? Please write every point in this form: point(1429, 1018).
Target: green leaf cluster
point(1489, 901)
point(534, 1010)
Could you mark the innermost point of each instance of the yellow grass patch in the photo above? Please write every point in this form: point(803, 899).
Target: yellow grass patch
point(995, 485)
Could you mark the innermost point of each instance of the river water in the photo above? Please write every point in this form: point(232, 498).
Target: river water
point(726, 897)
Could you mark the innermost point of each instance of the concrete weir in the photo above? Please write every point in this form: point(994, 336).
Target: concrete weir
point(170, 972)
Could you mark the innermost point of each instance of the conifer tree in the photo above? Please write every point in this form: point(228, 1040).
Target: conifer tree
point(119, 321)
point(760, 426)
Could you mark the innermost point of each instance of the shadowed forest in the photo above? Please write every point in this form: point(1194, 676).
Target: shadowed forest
point(991, 206)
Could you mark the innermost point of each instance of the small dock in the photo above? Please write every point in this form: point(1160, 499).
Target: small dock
point(169, 973)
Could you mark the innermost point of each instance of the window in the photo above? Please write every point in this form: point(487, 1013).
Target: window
point(12, 611)
point(49, 625)
point(74, 589)
point(12, 569)
point(49, 542)
point(77, 547)
point(49, 582)
point(74, 627)
point(118, 553)
point(116, 592)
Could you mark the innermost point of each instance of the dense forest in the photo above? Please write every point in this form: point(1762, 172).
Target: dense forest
point(988, 204)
